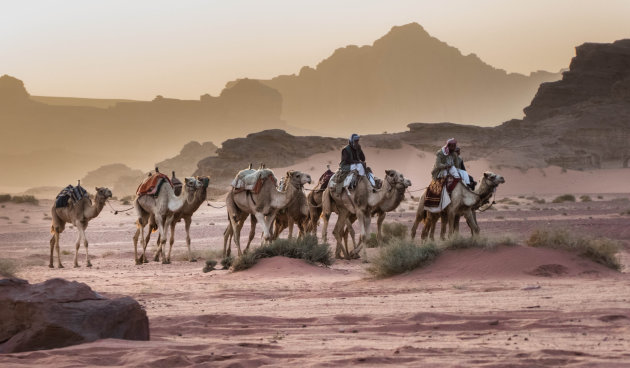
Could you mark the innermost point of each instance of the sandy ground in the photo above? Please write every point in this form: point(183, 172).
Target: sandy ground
point(470, 308)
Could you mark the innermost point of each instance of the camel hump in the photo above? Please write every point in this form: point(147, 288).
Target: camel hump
point(152, 184)
point(70, 193)
point(250, 179)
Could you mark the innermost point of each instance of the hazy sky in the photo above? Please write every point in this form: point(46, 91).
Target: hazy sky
point(182, 49)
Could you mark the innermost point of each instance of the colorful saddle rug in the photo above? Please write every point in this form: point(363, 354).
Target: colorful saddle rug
point(252, 180)
point(434, 190)
point(152, 184)
point(70, 192)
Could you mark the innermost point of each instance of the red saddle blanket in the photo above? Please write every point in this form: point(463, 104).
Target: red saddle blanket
point(434, 190)
point(152, 184)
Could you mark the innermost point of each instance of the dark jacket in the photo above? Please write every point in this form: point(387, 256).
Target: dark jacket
point(351, 156)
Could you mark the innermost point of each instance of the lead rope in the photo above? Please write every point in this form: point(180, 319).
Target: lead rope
point(117, 211)
point(210, 205)
point(494, 196)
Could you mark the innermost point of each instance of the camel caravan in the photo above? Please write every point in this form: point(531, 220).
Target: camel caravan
point(353, 192)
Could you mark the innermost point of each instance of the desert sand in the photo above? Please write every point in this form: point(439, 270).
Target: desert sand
point(515, 306)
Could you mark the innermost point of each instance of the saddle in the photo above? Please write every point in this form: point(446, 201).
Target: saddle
point(152, 184)
point(434, 190)
point(325, 179)
point(252, 180)
point(343, 179)
point(70, 192)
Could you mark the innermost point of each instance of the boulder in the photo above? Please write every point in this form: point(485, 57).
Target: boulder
point(58, 313)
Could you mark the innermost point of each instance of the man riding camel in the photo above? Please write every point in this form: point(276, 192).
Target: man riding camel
point(353, 158)
point(448, 162)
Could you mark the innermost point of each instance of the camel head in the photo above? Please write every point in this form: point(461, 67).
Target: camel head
point(493, 179)
point(204, 180)
point(191, 185)
point(298, 179)
point(103, 194)
point(396, 179)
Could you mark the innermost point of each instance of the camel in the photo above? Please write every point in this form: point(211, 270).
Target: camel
point(297, 212)
point(388, 205)
point(360, 203)
point(464, 202)
point(185, 212)
point(79, 214)
point(161, 207)
point(263, 205)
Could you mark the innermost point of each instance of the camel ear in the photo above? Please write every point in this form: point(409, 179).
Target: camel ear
point(486, 175)
point(96, 188)
point(388, 172)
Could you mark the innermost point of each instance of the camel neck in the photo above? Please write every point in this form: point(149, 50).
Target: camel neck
point(484, 191)
point(283, 199)
point(95, 209)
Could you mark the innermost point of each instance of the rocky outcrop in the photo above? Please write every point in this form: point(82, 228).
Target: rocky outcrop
point(58, 313)
point(122, 179)
point(274, 148)
point(185, 163)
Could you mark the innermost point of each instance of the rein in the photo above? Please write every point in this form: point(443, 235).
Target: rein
point(210, 205)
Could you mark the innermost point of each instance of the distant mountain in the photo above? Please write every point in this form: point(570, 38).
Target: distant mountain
point(137, 133)
point(407, 75)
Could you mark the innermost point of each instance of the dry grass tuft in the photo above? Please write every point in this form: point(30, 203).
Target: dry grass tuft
point(307, 249)
point(601, 250)
point(8, 267)
point(401, 256)
point(564, 198)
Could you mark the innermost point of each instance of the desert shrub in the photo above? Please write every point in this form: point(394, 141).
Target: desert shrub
point(25, 199)
point(394, 230)
point(508, 200)
point(564, 198)
point(206, 254)
point(227, 262)
point(5, 198)
point(461, 242)
point(623, 213)
point(371, 241)
point(600, 250)
point(402, 256)
point(600, 197)
point(306, 248)
point(8, 267)
point(585, 198)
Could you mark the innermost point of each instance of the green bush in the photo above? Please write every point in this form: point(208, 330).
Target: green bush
point(5, 198)
point(564, 198)
point(601, 250)
point(8, 267)
point(585, 198)
point(402, 256)
point(306, 248)
point(394, 230)
point(25, 199)
point(372, 241)
point(460, 242)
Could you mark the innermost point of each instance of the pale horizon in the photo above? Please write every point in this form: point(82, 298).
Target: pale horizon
point(183, 50)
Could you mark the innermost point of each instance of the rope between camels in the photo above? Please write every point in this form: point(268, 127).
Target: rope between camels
point(117, 211)
point(215, 206)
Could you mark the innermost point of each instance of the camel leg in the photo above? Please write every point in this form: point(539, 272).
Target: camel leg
point(52, 249)
point(76, 248)
point(187, 221)
point(414, 228)
point(364, 222)
point(252, 231)
point(227, 240)
point(85, 244)
point(169, 225)
point(290, 227)
point(379, 226)
point(325, 219)
point(59, 265)
point(443, 225)
point(451, 224)
point(472, 222)
point(341, 223)
point(162, 242)
point(236, 233)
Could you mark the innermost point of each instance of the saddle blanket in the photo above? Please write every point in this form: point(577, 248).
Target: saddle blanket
point(76, 193)
point(438, 193)
point(252, 180)
point(325, 179)
point(152, 184)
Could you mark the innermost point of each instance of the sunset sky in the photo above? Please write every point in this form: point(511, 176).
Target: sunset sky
point(182, 49)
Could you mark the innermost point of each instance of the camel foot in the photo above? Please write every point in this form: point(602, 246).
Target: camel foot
point(138, 262)
point(193, 260)
point(156, 258)
point(89, 264)
point(76, 265)
point(60, 265)
point(51, 265)
point(166, 261)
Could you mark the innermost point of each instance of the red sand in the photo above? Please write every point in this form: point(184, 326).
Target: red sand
point(469, 308)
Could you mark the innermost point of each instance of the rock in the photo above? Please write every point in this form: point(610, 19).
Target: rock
point(58, 313)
